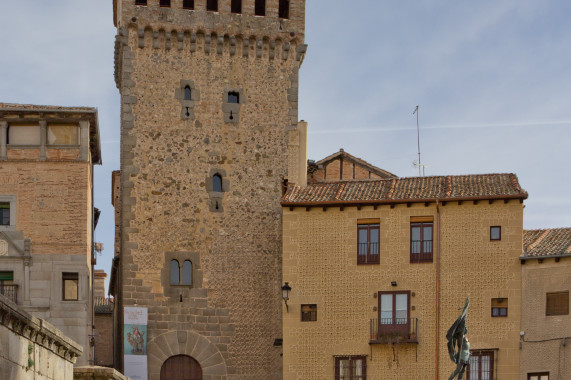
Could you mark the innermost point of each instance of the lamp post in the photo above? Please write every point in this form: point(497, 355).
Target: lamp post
point(285, 293)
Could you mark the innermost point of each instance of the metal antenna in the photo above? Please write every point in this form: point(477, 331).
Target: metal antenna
point(420, 167)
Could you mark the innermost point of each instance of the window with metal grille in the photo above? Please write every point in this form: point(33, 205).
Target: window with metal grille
point(538, 376)
point(187, 4)
point(308, 313)
point(4, 213)
point(495, 233)
point(499, 307)
point(284, 9)
point(212, 5)
point(236, 6)
point(70, 286)
point(394, 313)
point(557, 303)
point(368, 242)
point(260, 7)
point(421, 242)
point(351, 367)
point(7, 287)
point(481, 365)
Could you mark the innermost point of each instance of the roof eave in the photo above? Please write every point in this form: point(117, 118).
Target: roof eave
point(527, 258)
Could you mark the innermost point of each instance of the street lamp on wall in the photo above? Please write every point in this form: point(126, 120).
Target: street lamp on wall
point(285, 293)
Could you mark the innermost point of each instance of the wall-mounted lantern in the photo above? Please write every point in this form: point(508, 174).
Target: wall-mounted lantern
point(285, 293)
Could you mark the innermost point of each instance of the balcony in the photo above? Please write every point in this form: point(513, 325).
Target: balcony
point(368, 253)
point(403, 331)
point(10, 292)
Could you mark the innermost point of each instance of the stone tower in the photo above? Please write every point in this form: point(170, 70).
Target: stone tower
point(209, 93)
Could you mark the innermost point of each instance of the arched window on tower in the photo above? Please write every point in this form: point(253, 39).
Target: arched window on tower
point(186, 273)
point(217, 183)
point(174, 273)
point(284, 9)
point(236, 6)
point(187, 93)
point(212, 5)
point(260, 7)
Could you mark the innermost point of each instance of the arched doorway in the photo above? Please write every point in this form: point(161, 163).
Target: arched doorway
point(181, 367)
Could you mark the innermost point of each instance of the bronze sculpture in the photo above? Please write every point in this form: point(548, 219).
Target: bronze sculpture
point(456, 336)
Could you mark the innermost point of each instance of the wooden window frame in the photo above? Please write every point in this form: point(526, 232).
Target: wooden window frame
point(422, 256)
point(352, 376)
point(480, 354)
point(399, 328)
point(538, 374)
point(260, 7)
point(283, 12)
point(309, 316)
point(69, 276)
point(212, 5)
point(236, 6)
point(496, 305)
point(3, 212)
point(188, 4)
point(555, 309)
point(369, 258)
point(499, 233)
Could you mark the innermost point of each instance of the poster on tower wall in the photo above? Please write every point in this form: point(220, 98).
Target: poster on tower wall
point(135, 342)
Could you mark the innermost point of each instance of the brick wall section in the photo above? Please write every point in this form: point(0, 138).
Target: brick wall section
point(545, 346)
point(320, 264)
point(104, 340)
point(166, 162)
point(51, 198)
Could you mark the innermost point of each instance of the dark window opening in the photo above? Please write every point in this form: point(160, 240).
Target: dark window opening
point(233, 97)
point(499, 307)
point(496, 233)
point(4, 213)
point(284, 9)
point(186, 273)
point(368, 243)
point(187, 93)
point(70, 284)
point(481, 365)
point(557, 303)
point(7, 287)
point(394, 313)
point(174, 273)
point(217, 185)
point(308, 313)
point(236, 6)
point(165, 3)
point(260, 7)
point(187, 4)
point(351, 368)
point(421, 242)
point(140, 2)
point(212, 5)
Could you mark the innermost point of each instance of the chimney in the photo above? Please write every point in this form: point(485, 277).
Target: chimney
point(297, 155)
point(99, 276)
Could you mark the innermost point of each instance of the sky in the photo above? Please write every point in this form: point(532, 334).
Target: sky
point(492, 79)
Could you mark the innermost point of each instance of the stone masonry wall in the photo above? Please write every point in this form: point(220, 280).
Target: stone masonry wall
point(320, 264)
point(230, 317)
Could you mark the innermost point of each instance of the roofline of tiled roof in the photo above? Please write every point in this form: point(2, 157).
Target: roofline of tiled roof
point(537, 257)
point(402, 201)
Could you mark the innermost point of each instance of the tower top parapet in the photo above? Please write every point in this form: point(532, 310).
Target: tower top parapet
point(271, 18)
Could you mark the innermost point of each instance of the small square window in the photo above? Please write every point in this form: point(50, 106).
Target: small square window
point(557, 303)
point(188, 4)
point(233, 97)
point(499, 307)
point(70, 284)
point(236, 6)
point(63, 134)
point(284, 9)
point(140, 2)
point(212, 5)
point(4, 213)
point(24, 135)
point(496, 233)
point(260, 7)
point(165, 3)
point(308, 313)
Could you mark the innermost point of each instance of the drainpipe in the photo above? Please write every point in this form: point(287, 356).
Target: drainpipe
point(437, 287)
point(92, 311)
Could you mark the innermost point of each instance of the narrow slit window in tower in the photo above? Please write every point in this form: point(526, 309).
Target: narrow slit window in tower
point(233, 97)
point(217, 183)
point(140, 2)
point(284, 9)
point(165, 3)
point(187, 93)
point(187, 4)
point(260, 7)
point(236, 6)
point(212, 5)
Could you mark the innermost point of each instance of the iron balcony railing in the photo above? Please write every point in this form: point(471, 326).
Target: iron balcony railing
point(400, 330)
point(10, 292)
point(368, 253)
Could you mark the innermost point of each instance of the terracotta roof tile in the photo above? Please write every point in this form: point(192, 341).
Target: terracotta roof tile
point(547, 242)
point(403, 190)
point(103, 305)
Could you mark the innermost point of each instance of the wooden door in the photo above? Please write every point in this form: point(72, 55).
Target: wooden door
point(181, 367)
